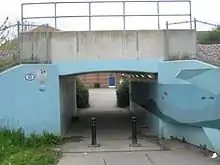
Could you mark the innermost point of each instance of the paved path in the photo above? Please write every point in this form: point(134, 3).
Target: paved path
point(114, 132)
point(138, 158)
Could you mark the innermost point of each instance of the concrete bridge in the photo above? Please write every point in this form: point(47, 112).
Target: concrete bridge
point(109, 45)
point(182, 101)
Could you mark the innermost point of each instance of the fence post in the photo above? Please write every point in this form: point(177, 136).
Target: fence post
point(166, 38)
point(48, 59)
point(195, 35)
point(19, 42)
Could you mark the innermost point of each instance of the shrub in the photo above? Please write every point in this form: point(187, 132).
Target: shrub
point(82, 95)
point(122, 94)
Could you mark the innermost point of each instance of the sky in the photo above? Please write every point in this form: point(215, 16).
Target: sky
point(204, 10)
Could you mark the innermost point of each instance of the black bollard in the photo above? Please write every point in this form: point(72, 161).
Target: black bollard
point(93, 130)
point(134, 133)
point(93, 133)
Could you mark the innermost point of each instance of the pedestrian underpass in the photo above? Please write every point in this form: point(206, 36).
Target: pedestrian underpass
point(68, 92)
point(113, 127)
point(183, 103)
point(180, 87)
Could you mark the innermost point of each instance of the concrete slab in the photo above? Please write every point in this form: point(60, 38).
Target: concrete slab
point(109, 146)
point(138, 158)
point(180, 158)
point(127, 158)
point(81, 159)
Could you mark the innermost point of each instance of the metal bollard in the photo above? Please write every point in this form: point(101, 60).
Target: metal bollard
point(134, 133)
point(93, 133)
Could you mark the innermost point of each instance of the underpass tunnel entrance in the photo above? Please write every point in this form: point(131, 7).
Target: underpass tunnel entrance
point(110, 97)
point(143, 93)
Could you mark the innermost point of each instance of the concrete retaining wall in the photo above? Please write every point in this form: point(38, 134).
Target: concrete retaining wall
point(108, 45)
point(209, 53)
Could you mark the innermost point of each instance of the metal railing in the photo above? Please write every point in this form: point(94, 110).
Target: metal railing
point(13, 51)
point(204, 52)
point(123, 14)
point(12, 47)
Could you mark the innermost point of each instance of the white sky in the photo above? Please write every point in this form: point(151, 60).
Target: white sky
point(205, 10)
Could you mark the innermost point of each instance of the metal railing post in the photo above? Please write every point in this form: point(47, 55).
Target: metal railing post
point(195, 35)
point(47, 45)
point(18, 58)
point(166, 42)
point(190, 14)
point(124, 13)
point(90, 17)
point(158, 17)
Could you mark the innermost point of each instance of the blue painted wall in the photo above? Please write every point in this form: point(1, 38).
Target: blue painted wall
point(36, 106)
point(183, 103)
point(24, 105)
point(83, 67)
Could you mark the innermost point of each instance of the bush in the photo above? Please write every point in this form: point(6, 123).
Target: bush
point(122, 94)
point(82, 95)
point(211, 37)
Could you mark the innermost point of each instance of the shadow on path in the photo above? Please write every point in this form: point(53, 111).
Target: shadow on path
point(112, 122)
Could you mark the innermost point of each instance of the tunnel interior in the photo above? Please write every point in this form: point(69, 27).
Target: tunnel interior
point(112, 122)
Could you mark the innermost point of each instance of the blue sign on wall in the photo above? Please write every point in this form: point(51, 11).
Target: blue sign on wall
point(29, 77)
point(111, 81)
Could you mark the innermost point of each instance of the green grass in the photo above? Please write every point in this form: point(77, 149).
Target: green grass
point(16, 149)
point(4, 63)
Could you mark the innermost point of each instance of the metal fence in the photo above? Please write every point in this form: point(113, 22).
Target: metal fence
point(11, 43)
point(124, 13)
point(209, 53)
point(12, 37)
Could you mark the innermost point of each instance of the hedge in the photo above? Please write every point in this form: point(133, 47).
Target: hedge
point(82, 95)
point(122, 94)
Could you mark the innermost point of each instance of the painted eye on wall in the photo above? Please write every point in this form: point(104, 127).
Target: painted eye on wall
point(29, 77)
point(42, 76)
point(203, 98)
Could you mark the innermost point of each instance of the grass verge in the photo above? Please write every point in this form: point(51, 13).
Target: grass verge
point(16, 149)
point(6, 62)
